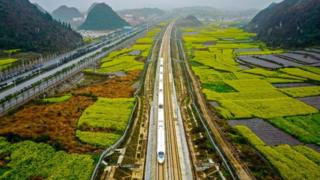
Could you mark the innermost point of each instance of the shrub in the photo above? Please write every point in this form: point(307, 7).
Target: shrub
point(28, 159)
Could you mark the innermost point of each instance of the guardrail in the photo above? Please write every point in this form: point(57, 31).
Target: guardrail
point(195, 107)
point(125, 134)
point(33, 90)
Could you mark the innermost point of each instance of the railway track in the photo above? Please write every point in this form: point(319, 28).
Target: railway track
point(177, 164)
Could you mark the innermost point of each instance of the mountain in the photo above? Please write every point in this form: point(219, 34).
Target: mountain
point(92, 6)
point(138, 16)
point(198, 11)
point(68, 15)
point(142, 12)
point(40, 8)
point(189, 21)
point(102, 17)
point(207, 12)
point(289, 24)
point(24, 26)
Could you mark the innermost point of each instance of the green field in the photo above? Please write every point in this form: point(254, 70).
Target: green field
point(248, 93)
point(122, 63)
point(244, 93)
point(304, 128)
point(298, 92)
point(108, 113)
point(57, 99)
point(292, 162)
point(27, 160)
point(124, 60)
point(110, 116)
point(98, 138)
point(4, 63)
point(256, 98)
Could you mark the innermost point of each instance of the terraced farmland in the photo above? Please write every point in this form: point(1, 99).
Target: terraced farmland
point(128, 59)
point(270, 92)
point(299, 162)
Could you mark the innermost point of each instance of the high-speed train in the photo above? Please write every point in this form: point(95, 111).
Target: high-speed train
point(161, 141)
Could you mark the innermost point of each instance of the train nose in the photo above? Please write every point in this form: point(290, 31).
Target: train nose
point(161, 157)
point(160, 160)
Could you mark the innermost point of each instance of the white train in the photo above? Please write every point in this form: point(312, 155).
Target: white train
point(161, 141)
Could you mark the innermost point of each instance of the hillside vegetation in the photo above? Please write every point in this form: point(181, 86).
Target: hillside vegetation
point(66, 14)
point(24, 26)
point(102, 17)
point(189, 21)
point(291, 23)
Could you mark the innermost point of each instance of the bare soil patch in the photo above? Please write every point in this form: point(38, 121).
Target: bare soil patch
point(258, 62)
point(119, 87)
point(265, 131)
point(287, 85)
point(56, 123)
point(312, 101)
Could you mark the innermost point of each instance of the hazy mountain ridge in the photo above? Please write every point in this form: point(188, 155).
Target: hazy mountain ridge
point(102, 17)
point(24, 26)
point(140, 15)
point(142, 12)
point(66, 14)
point(211, 12)
point(189, 21)
point(291, 23)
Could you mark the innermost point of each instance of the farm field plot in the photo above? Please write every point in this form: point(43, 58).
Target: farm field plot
point(266, 132)
point(119, 87)
point(98, 138)
point(300, 162)
point(245, 93)
point(259, 62)
point(276, 74)
point(256, 98)
point(109, 116)
point(57, 99)
point(265, 108)
point(53, 123)
point(312, 69)
point(312, 101)
point(305, 128)
point(306, 59)
point(301, 73)
point(4, 63)
point(299, 92)
point(308, 53)
point(289, 85)
point(107, 113)
point(279, 60)
point(124, 60)
point(41, 161)
point(271, 96)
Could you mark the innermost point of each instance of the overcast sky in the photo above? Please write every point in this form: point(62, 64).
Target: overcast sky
point(83, 5)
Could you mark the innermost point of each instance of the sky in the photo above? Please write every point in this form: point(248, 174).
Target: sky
point(83, 5)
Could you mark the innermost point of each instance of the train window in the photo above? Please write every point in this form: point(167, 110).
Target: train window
point(161, 155)
point(161, 106)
